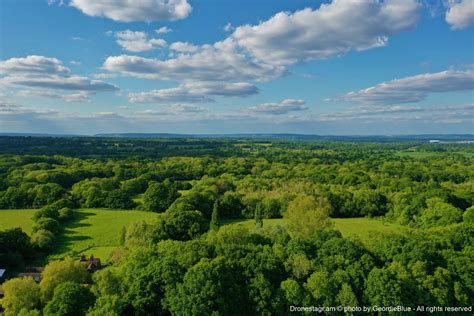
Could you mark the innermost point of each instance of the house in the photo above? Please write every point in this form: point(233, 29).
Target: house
point(92, 264)
point(32, 272)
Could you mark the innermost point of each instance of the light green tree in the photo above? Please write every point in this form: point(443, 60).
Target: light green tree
point(305, 215)
point(20, 294)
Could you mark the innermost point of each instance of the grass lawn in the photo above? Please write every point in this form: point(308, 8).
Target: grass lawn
point(93, 231)
point(96, 231)
point(16, 218)
point(349, 227)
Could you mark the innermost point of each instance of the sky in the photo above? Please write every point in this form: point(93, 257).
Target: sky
point(340, 67)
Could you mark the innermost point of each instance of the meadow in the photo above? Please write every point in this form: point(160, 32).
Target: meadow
point(356, 228)
point(97, 231)
point(93, 231)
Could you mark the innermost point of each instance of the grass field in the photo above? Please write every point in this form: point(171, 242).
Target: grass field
point(16, 218)
point(349, 227)
point(93, 231)
point(97, 231)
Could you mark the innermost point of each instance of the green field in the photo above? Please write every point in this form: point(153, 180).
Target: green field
point(97, 231)
point(17, 218)
point(93, 231)
point(360, 228)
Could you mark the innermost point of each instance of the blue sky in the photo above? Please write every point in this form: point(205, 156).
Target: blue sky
point(288, 66)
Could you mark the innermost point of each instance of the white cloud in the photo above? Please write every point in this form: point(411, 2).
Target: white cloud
point(334, 29)
point(60, 83)
point(460, 13)
point(184, 47)
point(218, 62)
point(283, 107)
point(33, 65)
point(228, 27)
point(415, 88)
point(137, 41)
point(374, 113)
point(135, 10)
point(163, 30)
point(191, 92)
point(81, 96)
point(263, 52)
point(176, 109)
point(47, 77)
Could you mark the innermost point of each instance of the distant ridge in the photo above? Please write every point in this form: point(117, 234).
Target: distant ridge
point(266, 136)
point(288, 136)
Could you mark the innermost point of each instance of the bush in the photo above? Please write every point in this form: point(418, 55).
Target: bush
point(71, 299)
point(43, 239)
point(65, 214)
point(46, 223)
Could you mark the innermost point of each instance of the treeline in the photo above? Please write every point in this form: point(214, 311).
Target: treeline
point(235, 271)
point(420, 192)
point(188, 262)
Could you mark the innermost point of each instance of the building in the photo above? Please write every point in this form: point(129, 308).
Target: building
point(92, 264)
point(32, 272)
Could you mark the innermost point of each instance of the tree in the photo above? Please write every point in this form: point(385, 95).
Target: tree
point(210, 287)
point(15, 249)
point(159, 196)
point(69, 299)
point(65, 214)
point(46, 194)
point(258, 216)
point(184, 225)
point(43, 239)
point(214, 225)
point(439, 213)
point(119, 199)
point(305, 215)
point(46, 223)
point(57, 272)
point(346, 296)
point(468, 216)
point(20, 293)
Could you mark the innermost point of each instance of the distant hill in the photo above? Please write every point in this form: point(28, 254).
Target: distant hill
point(308, 137)
point(287, 136)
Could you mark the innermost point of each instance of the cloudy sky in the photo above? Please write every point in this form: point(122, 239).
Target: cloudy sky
point(247, 66)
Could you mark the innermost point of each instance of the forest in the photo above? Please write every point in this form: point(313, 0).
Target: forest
point(191, 256)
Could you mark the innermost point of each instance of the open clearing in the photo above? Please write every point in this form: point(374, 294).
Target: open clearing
point(93, 231)
point(17, 218)
point(97, 231)
point(349, 227)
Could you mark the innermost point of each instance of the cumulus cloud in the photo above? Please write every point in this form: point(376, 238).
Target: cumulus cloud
point(218, 62)
point(415, 88)
point(44, 76)
point(137, 41)
point(192, 92)
point(163, 30)
point(135, 10)
point(283, 107)
point(376, 113)
point(176, 109)
point(334, 29)
point(460, 13)
point(184, 47)
point(33, 65)
point(81, 96)
point(263, 52)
